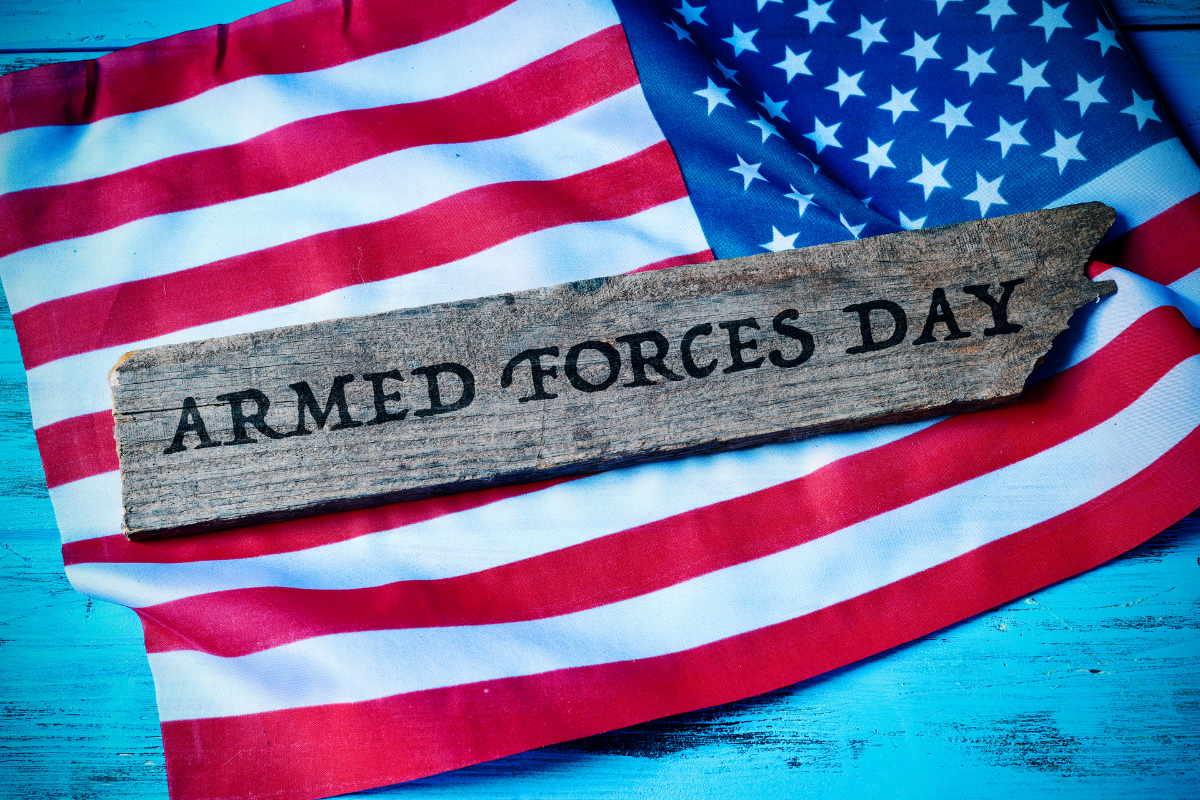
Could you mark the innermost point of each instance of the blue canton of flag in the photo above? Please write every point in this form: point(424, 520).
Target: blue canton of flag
point(802, 123)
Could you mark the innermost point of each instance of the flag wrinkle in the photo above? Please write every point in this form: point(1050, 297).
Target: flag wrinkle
point(362, 194)
point(291, 37)
point(242, 110)
point(594, 68)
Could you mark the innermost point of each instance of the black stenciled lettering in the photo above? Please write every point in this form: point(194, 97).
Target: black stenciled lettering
point(940, 313)
point(638, 361)
point(999, 307)
point(869, 345)
point(779, 324)
point(685, 352)
point(382, 415)
point(571, 367)
point(190, 421)
point(537, 372)
point(436, 406)
point(737, 345)
point(337, 396)
point(241, 419)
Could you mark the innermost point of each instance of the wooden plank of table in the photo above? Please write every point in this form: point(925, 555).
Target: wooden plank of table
point(1163, 14)
point(595, 374)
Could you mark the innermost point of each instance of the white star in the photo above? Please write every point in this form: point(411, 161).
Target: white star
point(1104, 37)
point(931, 176)
point(727, 72)
point(715, 96)
point(868, 32)
point(876, 157)
point(768, 130)
point(779, 241)
point(1008, 135)
point(987, 194)
point(762, 4)
point(1142, 109)
point(911, 224)
point(690, 13)
point(866, 201)
point(996, 9)
point(1086, 93)
point(824, 136)
point(855, 230)
point(953, 117)
point(742, 40)
point(803, 200)
point(1031, 77)
point(900, 102)
point(749, 172)
point(680, 33)
point(942, 4)
point(846, 85)
point(1051, 19)
point(922, 49)
point(794, 64)
point(1065, 150)
point(816, 13)
point(975, 65)
point(775, 109)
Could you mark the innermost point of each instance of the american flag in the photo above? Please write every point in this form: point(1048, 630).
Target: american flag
point(327, 159)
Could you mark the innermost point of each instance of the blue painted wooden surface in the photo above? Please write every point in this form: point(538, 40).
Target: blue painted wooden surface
point(1089, 689)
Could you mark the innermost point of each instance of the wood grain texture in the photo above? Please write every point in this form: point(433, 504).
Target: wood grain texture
point(1156, 13)
point(595, 374)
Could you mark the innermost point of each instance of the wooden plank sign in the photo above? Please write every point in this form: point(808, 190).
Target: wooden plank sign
point(595, 374)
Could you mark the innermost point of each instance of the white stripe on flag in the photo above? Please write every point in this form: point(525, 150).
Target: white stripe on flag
point(370, 191)
point(352, 667)
point(483, 51)
point(543, 258)
point(89, 508)
point(1136, 198)
point(1187, 291)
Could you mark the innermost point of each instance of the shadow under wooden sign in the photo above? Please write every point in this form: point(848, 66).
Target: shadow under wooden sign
point(595, 374)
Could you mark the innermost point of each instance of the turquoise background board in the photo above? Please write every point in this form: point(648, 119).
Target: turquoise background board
point(1087, 689)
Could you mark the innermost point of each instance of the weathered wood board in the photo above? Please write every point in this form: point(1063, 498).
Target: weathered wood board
point(595, 374)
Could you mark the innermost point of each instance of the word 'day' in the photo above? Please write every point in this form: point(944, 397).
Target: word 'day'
point(594, 374)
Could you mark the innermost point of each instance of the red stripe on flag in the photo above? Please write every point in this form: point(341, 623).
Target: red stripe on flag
point(542, 92)
point(1162, 249)
point(301, 36)
point(483, 217)
point(77, 448)
point(676, 549)
point(692, 258)
point(286, 537)
point(299, 754)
